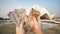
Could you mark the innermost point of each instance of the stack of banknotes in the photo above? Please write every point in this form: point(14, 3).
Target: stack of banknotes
point(18, 15)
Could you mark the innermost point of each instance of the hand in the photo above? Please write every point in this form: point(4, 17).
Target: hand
point(37, 25)
point(20, 29)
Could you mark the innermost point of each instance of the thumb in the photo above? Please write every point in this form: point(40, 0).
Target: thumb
point(21, 24)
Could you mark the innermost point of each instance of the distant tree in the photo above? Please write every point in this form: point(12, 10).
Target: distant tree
point(1, 18)
point(7, 19)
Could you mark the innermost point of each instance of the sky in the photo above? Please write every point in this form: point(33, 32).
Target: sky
point(53, 6)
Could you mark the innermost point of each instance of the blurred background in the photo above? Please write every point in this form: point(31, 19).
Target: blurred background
point(51, 26)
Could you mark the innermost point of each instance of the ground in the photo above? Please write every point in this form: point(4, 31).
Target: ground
point(10, 29)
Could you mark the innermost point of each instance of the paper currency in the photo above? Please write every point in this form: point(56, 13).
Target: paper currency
point(20, 14)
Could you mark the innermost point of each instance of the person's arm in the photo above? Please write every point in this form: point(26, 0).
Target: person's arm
point(38, 26)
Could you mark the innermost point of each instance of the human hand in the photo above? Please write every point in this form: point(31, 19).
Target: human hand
point(20, 29)
point(37, 25)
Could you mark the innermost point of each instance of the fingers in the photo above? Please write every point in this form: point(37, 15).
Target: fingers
point(34, 19)
point(20, 25)
point(39, 21)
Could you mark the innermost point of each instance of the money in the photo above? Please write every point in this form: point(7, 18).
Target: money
point(18, 15)
point(14, 18)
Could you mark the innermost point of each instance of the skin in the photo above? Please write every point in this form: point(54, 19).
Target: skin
point(37, 29)
point(37, 26)
point(20, 29)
